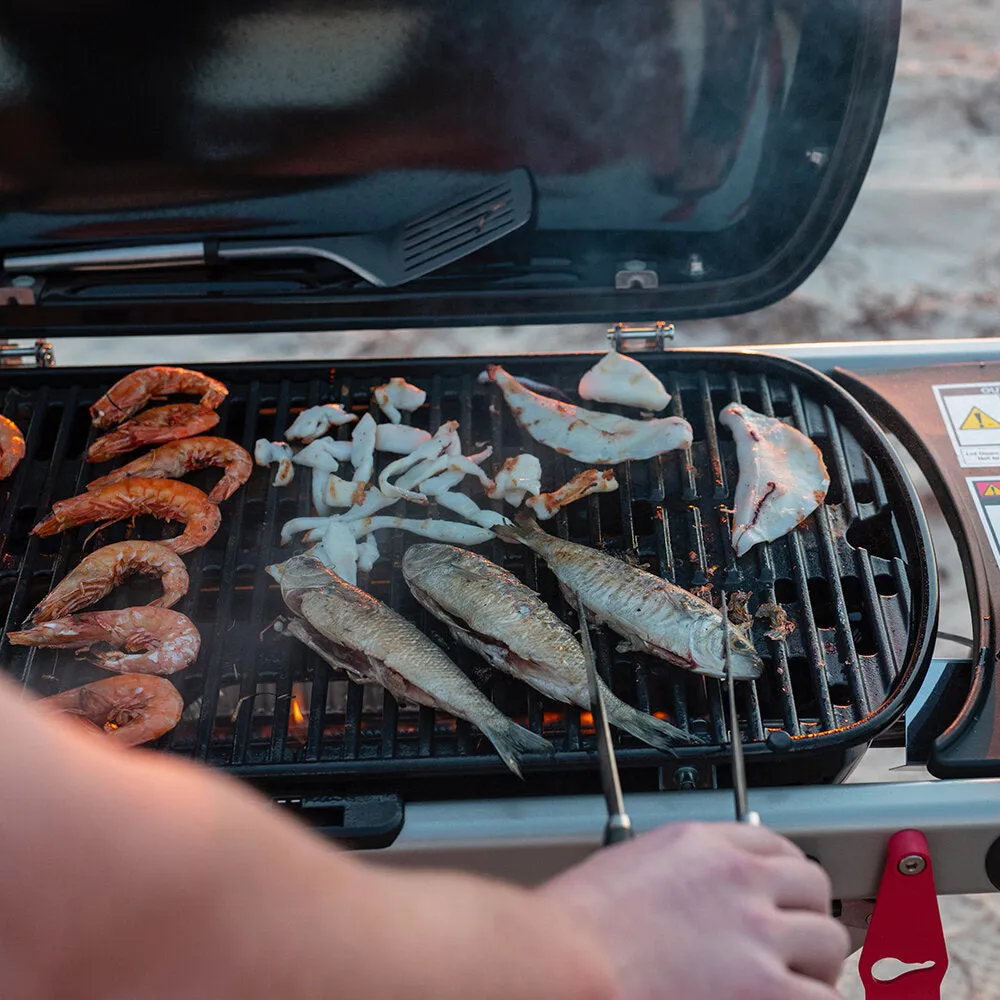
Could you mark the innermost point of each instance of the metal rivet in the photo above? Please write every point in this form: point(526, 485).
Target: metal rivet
point(912, 864)
point(695, 266)
point(686, 778)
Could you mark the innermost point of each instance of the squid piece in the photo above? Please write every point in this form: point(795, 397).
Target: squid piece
point(783, 477)
point(441, 531)
point(363, 452)
point(617, 378)
point(267, 453)
point(399, 439)
point(445, 436)
point(316, 421)
point(517, 477)
point(585, 435)
point(466, 507)
point(397, 394)
point(546, 505)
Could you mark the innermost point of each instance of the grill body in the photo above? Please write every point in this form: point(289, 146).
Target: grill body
point(856, 579)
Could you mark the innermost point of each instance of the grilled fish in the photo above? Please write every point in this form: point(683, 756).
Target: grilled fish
point(652, 615)
point(373, 644)
point(491, 612)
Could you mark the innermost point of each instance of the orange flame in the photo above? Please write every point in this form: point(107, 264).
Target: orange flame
point(297, 717)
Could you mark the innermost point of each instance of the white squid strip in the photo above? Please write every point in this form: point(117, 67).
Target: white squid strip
point(316, 421)
point(586, 435)
point(444, 436)
point(297, 525)
point(319, 455)
point(546, 505)
point(269, 452)
point(441, 531)
point(517, 477)
point(449, 480)
point(368, 554)
point(466, 507)
point(617, 378)
point(374, 501)
point(339, 492)
point(398, 394)
point(363, 449)
point(341, 550)
point(398, 439)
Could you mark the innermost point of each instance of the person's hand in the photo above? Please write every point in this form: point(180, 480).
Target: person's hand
point(706, 911)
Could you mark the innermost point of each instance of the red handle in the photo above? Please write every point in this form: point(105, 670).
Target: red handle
point(905, 956)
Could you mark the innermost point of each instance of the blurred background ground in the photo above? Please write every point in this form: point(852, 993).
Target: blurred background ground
point(918, 258)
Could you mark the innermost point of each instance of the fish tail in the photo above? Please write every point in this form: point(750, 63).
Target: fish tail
point(648, 728)
point(513, 741)
point(524, 532)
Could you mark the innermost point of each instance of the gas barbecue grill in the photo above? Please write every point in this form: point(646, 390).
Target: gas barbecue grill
point(192, 193)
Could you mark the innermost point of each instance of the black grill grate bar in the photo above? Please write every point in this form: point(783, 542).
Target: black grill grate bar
point(779, 647)
point(244, 713)
point(834, 572)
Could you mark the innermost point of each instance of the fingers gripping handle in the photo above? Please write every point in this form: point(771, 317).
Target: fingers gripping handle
point(905, 956)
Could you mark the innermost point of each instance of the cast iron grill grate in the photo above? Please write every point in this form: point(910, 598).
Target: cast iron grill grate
point(853, 579)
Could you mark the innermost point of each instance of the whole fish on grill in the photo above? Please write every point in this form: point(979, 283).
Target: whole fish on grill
point(494, 614)
point(353, 631)
point(652, 615)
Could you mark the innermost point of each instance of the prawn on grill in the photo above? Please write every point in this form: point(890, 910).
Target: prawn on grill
point(177, 458)
point(141, 640)
point(131, 709)
point(164, 423)
point(130, 394)
point(11, 447)
point(100, 572)
point(167, 499)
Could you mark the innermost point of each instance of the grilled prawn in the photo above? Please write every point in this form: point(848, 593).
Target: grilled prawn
point(11, 447)
point(100, 572)
point(143, 640)
point(164, 423)
point(131, 709)
point(176, 458)
point(130, 394)
point(163, 498)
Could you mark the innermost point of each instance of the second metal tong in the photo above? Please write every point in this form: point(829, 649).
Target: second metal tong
point(619, 826)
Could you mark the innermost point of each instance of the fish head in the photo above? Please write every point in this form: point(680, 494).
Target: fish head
point(708, 652)
point(298, 574)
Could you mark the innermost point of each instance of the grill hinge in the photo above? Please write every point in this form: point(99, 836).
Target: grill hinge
point(635, 337)
point(20, 355)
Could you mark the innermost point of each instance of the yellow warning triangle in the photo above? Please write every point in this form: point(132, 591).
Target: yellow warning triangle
point(992, 490)
point(977, 420)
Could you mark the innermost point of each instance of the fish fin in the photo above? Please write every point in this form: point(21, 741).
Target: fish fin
point(513, 741)
point(648, 728)
point(508, 533)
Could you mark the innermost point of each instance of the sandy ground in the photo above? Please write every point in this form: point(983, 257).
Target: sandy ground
point(918, 258)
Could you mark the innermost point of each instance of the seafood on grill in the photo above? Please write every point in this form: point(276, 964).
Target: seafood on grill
point(163, 423)
point(278, 453)
point(316, 421)
point(445, 440)
point(130, 394)
point(167, 499)
point(491, 612)
point(397, 394)
point(363, 453)
point(782, 479)
point(132, 708)
point(585, 435)
point(780, 626)
point(617, 378)
point(177, 458)
point(355, 632)
point(547, 505)
point(145, 640)
point(11, 447)
point(321, 457)
point(101, 571)
point(652, 615)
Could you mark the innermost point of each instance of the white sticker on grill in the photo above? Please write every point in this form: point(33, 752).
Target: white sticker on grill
point(986, 494)
point(971, 412)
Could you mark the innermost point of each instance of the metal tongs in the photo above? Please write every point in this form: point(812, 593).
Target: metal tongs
point(744, 814)
point(619, 826)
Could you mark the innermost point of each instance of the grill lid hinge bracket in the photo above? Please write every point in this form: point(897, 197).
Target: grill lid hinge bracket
point(635, 337)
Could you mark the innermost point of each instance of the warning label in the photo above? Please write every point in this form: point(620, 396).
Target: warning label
point(986, 492)
point(971, 412)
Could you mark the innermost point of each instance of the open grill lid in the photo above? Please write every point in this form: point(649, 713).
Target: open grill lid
point(687, 158)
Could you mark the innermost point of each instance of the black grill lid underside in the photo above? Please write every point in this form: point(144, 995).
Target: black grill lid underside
point(717, 145)
point(857, 580)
